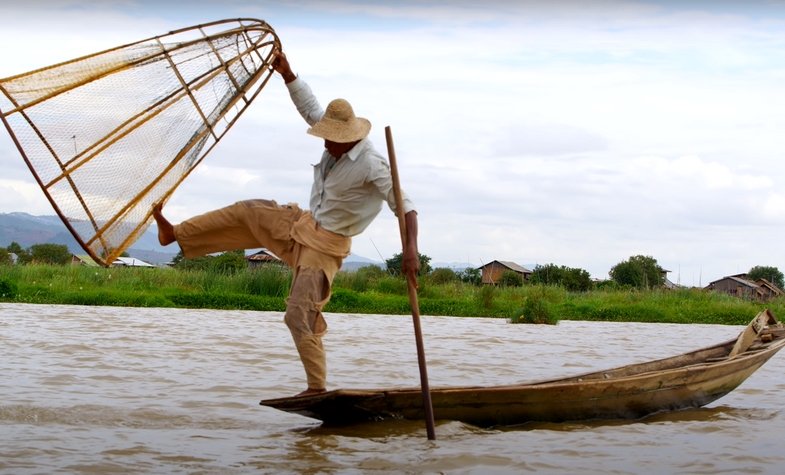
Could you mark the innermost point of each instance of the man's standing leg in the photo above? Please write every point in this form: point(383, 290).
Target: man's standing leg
point(310, 292)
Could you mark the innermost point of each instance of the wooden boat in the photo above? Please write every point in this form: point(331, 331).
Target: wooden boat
point(685, 381)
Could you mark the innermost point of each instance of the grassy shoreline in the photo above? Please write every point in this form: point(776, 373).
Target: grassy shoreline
point(266, 289)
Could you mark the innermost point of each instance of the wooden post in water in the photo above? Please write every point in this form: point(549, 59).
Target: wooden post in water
point(412, 284)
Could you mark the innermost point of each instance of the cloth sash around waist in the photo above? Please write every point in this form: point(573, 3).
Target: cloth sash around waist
point(307, 232)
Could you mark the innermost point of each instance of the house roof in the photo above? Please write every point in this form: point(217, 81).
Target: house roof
point(263, 255)
point(738, 280)
point(130, 262)
point(85, 260)
point(510, 265)
point(770, 285)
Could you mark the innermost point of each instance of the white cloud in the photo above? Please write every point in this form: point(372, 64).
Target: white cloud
point(772, 206)
point(17, 195)
point(578, 133)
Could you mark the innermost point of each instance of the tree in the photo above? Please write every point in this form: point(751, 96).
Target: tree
point(15, 247)
point(395, 262)
point(510, 278)
point(370, 272)
point(178, 258)
point(50, 254)
point(640, 272)
point(569, 278)
point(5, 257)
point(229, 262)
point(224, 263)
point(772, 274)
point(471, 275)
point(22, 255)
point(8, 289)
point(442, 275)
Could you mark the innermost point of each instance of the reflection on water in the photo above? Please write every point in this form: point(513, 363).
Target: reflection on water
point(119, 390)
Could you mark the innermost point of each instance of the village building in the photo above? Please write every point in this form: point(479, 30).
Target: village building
point(83, 260)
point(741, 286)
point(493, 271)
point(769, 290)
point(261, 258)
point(130, 262)
point(666, 282)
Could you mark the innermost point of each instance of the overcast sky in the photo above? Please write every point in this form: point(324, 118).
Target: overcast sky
point(573, 133)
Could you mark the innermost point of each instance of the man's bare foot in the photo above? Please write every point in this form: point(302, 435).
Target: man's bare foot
point(165, 228)
point(310, 392)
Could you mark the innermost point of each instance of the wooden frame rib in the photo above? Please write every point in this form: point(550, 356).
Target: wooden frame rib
point(249, 38)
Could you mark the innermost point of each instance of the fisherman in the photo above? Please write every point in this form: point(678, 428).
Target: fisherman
point(351, 181)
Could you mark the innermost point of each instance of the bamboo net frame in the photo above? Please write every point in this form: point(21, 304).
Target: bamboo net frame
point(108, 135)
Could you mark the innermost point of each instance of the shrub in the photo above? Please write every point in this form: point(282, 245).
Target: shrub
point(471, 275)
point(394, 264)
point(442, 275)
point(57, 254)
point(569, 278)
point(360, 280)
point(485, 296)
point(536, 309)
point(269, 280)
point(5, 257)
point(371, 272)
point(392, 285)
point(8, 289)
point(639, 272)
point(510, 279)
point(226, 301)
point(228, 263)
point(343, 300)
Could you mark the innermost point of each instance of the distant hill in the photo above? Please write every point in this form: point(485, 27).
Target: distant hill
point(27, 230)
point(354, 262)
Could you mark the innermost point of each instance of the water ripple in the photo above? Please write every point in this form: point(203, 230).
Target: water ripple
point(122, 390)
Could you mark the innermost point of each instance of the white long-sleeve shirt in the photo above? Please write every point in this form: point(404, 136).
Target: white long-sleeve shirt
point(346, 197)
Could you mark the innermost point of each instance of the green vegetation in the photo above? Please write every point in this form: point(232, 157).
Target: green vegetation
point(569, 278)
point(5, 257)
point(537, 308)
point(395, 262)
point(639, 272)
point(37, 253)
point(772, 274)
point(510, 278)
point(8, 290)
point(369, 290)
point(50, 254)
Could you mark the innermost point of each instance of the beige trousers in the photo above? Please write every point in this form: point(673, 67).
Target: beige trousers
point(314, 254)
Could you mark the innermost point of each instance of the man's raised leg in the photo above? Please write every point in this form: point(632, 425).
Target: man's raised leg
point(165, 228)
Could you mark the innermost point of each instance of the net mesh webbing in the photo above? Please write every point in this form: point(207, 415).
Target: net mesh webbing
point(108, 135)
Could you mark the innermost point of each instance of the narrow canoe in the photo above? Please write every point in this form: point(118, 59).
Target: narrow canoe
point(689, 380)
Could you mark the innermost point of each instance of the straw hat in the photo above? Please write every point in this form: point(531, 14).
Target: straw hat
point(339, 124)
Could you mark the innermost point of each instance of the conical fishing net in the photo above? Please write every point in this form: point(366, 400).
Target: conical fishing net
point(108, 135)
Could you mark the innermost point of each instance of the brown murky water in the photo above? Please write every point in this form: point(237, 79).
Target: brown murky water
point(127, 390)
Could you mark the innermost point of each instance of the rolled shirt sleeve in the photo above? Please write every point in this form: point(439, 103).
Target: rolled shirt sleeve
point(305, 101)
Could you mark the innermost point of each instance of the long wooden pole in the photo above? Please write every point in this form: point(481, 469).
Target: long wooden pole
point(412, 284)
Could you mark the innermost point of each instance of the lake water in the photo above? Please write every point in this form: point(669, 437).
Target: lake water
point(128, 390)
